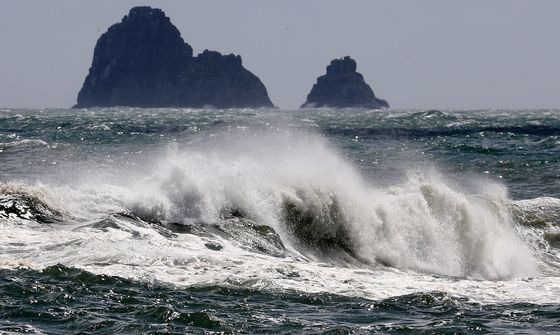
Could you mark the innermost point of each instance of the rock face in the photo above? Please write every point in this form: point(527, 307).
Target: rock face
point(220, 81)
point(144, 62)
point(342, 86)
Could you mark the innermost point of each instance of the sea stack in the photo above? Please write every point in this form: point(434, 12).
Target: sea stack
point(343, 87)
point(144, 62)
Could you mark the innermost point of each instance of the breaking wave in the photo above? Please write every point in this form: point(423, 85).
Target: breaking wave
point(293, 194)
point(23, 143)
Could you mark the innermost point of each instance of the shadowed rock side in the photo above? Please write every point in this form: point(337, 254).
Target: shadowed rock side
point(136, 62)
point(220, 81)
point(342, 86)
point(144, 62)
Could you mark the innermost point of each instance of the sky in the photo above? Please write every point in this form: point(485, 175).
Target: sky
point(444, 54)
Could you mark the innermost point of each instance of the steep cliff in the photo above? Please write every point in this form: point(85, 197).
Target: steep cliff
point(220, 81)
point(144, 62)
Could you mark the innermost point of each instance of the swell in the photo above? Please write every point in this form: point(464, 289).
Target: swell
point(539, 212)
point(67, 300)
point(23, 143)
point(462, 130)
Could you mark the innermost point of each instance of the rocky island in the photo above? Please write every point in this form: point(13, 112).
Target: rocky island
point(342, 87)
point(144, 62)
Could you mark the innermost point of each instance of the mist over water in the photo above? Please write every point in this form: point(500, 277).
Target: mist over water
point(356, 203)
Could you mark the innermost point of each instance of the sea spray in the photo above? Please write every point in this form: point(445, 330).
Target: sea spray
point(328, 220)
point(321, 206)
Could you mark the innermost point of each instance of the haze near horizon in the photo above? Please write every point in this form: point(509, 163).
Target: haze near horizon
point(433, 54)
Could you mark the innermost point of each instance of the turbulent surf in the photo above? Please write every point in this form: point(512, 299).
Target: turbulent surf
point(180, 220)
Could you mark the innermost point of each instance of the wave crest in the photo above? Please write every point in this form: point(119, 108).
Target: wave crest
point(322, 207)
point(18, 201)
point(294, 193)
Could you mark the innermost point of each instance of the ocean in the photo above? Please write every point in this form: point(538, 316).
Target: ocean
point(318, 221)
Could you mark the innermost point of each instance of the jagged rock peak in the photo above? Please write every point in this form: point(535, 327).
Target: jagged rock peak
point(209, 55)
point(341, 65)
point(220, 81)
point(343, 87)
point(143, 61)
point(143, 12)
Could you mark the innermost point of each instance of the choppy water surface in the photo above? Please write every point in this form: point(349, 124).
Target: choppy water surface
point(268, 221)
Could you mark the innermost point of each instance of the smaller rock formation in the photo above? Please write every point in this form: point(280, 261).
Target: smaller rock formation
point(343, 87)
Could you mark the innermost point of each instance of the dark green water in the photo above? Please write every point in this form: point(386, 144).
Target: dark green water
point(70, 301)
point(269, 221)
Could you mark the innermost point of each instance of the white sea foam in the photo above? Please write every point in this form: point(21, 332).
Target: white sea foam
point(424, 223)
point(433, 233)
point(141, 254)
point(24, 142)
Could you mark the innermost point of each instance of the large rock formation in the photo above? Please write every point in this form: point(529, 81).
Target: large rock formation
point(144, 62)
point(342, 86)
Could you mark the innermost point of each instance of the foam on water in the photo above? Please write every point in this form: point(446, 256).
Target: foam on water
point(24, 142)
point(423, 233)
point(139, 253)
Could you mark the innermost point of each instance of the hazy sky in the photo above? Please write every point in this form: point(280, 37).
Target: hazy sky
point(415, 54)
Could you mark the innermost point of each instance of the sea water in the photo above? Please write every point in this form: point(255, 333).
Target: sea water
point(273, 221)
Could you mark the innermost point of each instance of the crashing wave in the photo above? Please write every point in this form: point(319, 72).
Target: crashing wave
point(18, 203)
point(294, 194)
point(23, 143)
